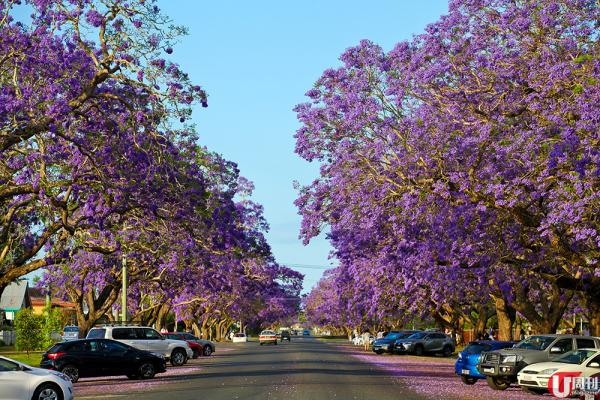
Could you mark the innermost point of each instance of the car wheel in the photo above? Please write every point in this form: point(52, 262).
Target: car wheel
point(275, 343)
point(419, 350)
point(468, 380)
point(378, 352)
point(533, 390)
point(498, 383)
point(178, 358)
point(146, 371)
point(132, 376)
point(195, 354)
point(447, 351)
point(261, 343)
point(47, 391)
point(207, 351)
point(71, 371)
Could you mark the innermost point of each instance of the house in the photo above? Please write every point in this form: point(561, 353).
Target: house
point(14, 297)
point(39, 301)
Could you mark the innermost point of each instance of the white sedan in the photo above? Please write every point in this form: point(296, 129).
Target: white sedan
point(21, 382)
point(239, 338)
point(535, 377)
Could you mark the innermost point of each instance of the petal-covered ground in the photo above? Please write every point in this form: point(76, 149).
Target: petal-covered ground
point(434, 377)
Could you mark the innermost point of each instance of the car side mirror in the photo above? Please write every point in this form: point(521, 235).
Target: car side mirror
point(594, 365)
point(556, 350)
point(162, 337)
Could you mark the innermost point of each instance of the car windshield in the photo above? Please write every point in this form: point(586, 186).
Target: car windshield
point(575, 357)
point(477, 348)
point(536, 343)
point(418, 335)
point(71, 329)
point(240, 335)
point(267, 333)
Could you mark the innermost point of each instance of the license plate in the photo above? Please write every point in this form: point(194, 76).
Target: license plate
point(466, 372)
point(490, 370)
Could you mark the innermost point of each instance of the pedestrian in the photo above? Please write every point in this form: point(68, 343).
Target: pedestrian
point(522, 335)
point(366, 336)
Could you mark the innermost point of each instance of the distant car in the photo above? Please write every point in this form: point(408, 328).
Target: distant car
point(468, 359)
point(239, 337)
point(102, 357)
point(145, 338)
point(386, 343)
point(306, 332)
point(285, 335)
point(22, 382)
point(501, 367)
point(200, 347)
point(267, 337)
point(70, 332)
point(534, 378)
point(426, 342)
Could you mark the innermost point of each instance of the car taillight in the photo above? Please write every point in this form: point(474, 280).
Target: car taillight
point(54, 356)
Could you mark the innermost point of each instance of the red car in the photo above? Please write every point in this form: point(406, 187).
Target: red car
point(199, 347)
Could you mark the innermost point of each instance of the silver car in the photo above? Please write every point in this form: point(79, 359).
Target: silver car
point(426, 342)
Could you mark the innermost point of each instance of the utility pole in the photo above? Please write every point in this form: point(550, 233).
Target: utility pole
point(124, 292)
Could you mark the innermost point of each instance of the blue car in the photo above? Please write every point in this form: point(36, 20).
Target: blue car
point(466, 364)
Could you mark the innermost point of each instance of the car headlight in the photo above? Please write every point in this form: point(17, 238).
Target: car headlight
point(408, 343)
point(61, 376)
point(159, 355)
point(513, 359)
point(459, 355)
point(548, 371)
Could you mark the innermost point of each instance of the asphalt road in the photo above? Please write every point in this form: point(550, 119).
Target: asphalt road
point(306, 369)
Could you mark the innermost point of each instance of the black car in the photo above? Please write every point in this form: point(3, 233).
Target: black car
point(285, 335)
point(102, 357)
point(386, 344)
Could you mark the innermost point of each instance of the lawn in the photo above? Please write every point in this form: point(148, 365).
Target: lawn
point(33, 359)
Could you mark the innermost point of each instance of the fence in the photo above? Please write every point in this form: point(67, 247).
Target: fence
point(8, 337)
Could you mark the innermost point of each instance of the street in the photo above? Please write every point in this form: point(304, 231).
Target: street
point(306, 368)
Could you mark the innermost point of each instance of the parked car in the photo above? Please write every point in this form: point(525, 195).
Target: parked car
point(502, 366)
point(306, 332)
point(71, 332)
point(102, 357)
point(534, 378)
point(285, 335)
point(386, 343)
point(468, 359)
point(202, 347)
point(239, 337)
point(144, 338)
point(267, 337)
point(426, 342)
point(21, 382)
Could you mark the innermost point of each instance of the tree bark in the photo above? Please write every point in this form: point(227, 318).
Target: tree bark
point(506, 317)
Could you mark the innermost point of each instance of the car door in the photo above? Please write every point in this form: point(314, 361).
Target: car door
point(119, 358)
point(591, 370)
point(128, 336)
point(429, 342)
point(563, 346)
point(155, 341)
point(14, 383)
point(87, 357)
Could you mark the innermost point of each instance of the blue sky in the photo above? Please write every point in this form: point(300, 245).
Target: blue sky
point(256, 60)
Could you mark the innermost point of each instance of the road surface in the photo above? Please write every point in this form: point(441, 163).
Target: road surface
point(305, 369)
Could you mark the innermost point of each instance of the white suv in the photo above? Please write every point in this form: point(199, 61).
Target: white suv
point(144, 338)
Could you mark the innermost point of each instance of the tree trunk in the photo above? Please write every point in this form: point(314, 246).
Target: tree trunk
point(594, 307)
point(506, 317)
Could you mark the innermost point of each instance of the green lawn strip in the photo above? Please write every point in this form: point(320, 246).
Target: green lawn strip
point(33, 358)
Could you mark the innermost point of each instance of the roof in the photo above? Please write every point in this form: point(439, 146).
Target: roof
point(41, 302)
point(15, 296)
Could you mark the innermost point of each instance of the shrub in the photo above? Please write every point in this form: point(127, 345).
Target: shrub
point(28, 329)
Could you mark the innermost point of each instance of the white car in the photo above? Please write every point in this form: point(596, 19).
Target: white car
point(21, 382)
point(145, 338)
point(535, 377)
point(239, 338)
point(267, 337)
